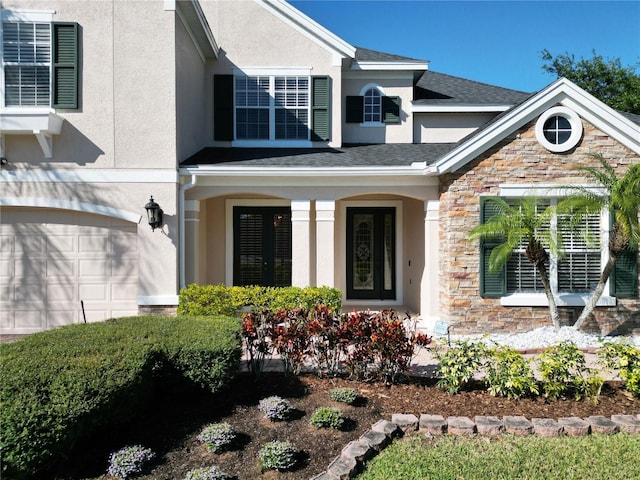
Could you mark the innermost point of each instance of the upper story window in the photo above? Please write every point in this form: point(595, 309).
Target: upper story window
point(271, 109)
point(373, 107)
point(559, 129)
point(39, 60)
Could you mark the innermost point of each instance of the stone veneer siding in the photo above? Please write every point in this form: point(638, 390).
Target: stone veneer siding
point(517, 159)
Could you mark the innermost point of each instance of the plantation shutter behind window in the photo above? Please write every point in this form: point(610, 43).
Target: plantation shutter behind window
point(65, 65)
point(623, 282)
point(492, 284)
point(223, 107)
point(320, 109)
point(355, 109)
point(391, 109)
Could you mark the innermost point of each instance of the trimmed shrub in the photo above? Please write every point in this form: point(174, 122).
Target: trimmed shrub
point(458, 364)
point(58, 386)
point(625, 358)
point(344, 395)
point(275, 408)
point(217, 436)
point(278, 456)
point(206, 473)
point(327, 417)
point(129, 461)
point(509, 374)
point(223, 300)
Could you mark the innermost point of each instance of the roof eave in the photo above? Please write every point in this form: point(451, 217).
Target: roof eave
point(380, 65)
point(415, 169)
point(459, 107)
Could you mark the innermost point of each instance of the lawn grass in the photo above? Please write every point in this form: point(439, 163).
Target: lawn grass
point(508, 457)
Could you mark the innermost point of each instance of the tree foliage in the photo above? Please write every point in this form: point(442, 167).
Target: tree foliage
point(605, 79)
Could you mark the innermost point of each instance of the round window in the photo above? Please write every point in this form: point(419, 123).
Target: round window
point(559, 129)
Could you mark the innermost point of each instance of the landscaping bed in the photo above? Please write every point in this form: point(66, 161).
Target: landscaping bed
point(171, 423)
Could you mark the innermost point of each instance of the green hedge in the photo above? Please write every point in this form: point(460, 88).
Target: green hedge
point(223, 300)
point(56, 387)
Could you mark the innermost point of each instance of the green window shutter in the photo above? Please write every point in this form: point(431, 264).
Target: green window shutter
point(391, 109)
point(320, 108)
point(492, 284)
point(64, 42)
point(223, 107)
point(355, 109)
point(623, 282)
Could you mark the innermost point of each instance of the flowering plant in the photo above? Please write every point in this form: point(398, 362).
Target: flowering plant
point(129, 461)
point(217, 436)
point(206, 473)
point(278, 456)
point(275, 408)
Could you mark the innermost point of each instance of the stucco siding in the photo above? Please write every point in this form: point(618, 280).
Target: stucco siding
point(446, 127)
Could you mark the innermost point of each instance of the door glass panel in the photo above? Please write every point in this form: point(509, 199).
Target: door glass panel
point(389, 259)
point(363, 265)
point(250, 255)
point(282, 249)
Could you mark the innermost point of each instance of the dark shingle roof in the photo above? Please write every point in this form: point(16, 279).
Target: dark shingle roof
point(383, 155)
point(366, 55)
point(631, 116)
point(435, 88)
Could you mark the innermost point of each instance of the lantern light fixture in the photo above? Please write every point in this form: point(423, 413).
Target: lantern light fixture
point(154, 214)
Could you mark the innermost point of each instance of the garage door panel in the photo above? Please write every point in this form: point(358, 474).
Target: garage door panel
point(96, 291)
point(58, 244)
point(60, 268)
point(51, 260)
point(61, 292)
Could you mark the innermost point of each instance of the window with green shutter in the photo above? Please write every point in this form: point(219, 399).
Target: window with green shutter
point(623, 282)
point(492, 284)
point(391, 109)
point(372, 107)
point(65, 65)
point(320, 108)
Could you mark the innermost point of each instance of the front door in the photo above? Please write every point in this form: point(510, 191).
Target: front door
point(371, 256)
point(262, 246)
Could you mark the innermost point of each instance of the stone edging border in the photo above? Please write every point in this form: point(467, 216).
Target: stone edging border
point(356, 453)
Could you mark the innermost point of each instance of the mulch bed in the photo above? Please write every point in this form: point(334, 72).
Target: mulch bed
point(171, 424)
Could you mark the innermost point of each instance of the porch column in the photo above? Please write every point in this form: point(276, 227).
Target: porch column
point(325, 240)
point(430, 285)
point(300, 243)
point(192, 240)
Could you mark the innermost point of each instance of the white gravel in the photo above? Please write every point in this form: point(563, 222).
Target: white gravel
point(545, 337)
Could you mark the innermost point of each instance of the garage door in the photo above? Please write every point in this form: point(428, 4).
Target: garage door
point(51, 260)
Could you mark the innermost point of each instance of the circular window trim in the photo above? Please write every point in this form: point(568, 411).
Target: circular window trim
point(576, 129)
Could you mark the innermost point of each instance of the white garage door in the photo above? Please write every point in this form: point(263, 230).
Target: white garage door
point(51, 260)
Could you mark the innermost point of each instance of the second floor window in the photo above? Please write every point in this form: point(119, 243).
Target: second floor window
point(26, 61)
point(272, 107)
point(372, 105)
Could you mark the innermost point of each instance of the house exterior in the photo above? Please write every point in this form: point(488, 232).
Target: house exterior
point(280, 155)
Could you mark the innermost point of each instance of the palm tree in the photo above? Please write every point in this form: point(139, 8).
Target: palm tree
point(527, 222)
point(621, 197)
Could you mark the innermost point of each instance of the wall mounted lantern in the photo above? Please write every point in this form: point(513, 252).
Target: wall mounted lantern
point(154, 213)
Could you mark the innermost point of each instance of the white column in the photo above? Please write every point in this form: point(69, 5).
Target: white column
point(192, 241)
point(429, 285)
point(325, 243)
point(300, 243)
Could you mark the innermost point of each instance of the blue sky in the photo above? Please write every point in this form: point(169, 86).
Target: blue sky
point(497, 42)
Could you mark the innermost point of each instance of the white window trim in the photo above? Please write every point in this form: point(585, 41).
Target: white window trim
point(562, 299)
point(576, 129)
point(363, 91)
point(272, 72)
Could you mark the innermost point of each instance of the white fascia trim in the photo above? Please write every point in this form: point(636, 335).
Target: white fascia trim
point(460, 108)
point(120, 175)
point(392, 66)
point(71, 205)
point(550, 190)
point(158, 299)
point(417, 169)
point(308, 27)
point(8, 15)
point(272, 71)
point(562, 300)
point(562, 91)
point(378, 76)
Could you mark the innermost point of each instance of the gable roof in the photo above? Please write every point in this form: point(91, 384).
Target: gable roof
point(561, 92)
point(308, 27)
point(441, 92)
point(366, 59)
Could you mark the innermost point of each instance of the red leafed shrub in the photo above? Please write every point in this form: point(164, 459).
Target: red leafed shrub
point(369, 346)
